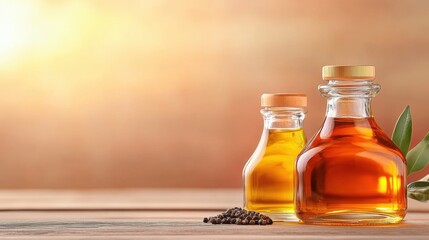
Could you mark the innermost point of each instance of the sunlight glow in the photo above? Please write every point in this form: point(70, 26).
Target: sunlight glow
point(15, 27)
point(33, 30)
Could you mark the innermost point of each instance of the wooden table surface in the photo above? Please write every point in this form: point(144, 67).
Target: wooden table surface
point(166, 214)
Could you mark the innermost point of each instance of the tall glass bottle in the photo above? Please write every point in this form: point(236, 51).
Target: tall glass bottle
point(350, 172)
point(269, 174)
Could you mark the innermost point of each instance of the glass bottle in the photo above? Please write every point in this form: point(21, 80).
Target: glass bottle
point(350, 172)
point(268, 175)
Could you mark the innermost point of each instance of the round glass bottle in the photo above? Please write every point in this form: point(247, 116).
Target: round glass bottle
point(350, 172)
point(269, 174)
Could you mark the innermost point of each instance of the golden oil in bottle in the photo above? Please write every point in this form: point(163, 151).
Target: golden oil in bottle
point(269, 174)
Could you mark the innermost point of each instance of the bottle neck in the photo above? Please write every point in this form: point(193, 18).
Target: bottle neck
point(349, 99)
point(340, 107)
point(286, 118)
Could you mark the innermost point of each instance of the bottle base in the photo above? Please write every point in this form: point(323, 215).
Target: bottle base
point(281, 217)
point(351, 218)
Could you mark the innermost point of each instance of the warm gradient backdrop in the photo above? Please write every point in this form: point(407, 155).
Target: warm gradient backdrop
point(166, 93)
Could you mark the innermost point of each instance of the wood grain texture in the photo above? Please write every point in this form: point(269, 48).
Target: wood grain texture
point(134, 224)
point(172, 217)
point(131, 199)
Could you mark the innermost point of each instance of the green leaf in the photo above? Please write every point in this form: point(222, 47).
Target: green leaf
point(403, 130)
point(419, 190)
point(418, 157)
point(418, 184)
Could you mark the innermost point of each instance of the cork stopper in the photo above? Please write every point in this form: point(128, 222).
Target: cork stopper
point(284, 100)
point(348, 73)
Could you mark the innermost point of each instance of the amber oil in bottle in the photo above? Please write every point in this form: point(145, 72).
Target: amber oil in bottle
point(269, 174)
point(350, 173)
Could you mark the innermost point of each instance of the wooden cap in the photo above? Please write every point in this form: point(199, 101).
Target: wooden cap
point(283, 100)
point(349, 73)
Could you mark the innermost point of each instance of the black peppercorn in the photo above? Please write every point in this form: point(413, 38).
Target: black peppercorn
point(239, 216)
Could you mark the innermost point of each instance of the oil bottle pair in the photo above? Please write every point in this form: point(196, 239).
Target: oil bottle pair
point(349, 173)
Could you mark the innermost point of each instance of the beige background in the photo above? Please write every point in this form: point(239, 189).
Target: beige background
point(166, 93)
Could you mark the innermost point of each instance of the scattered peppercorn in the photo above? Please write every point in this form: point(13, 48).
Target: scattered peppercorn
point(239, 216)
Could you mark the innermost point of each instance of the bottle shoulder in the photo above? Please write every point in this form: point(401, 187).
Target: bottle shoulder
point(275, 147)
point(363, 139)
